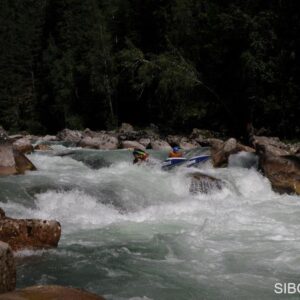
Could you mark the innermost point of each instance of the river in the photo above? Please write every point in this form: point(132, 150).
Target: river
point(135, 232)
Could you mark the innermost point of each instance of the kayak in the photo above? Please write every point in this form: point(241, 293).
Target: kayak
point(172, 162)
point(197, 159)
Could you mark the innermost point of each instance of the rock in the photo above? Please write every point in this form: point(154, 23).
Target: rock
point(7, 160)
point(22, 163)
point(15, 137)
point(160, 145)
point(272, 145)
point(222, 151)
point(43, 147)
point(23, 145)
point(29, 233)
point(50, 292)
point(145, 142)
point(188, 145)
point(104, 141)
point(174, 140)
point(282, 171)
point(202, 183)
point(125, 127)
point(132, 145)
point(49, 138)
point(73, 136)
point(295, 148)
point(7, 269)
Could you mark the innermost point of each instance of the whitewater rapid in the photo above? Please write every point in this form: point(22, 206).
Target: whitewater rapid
point(135, 232)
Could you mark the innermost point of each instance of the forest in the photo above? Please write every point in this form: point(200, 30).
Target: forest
point(178, 64)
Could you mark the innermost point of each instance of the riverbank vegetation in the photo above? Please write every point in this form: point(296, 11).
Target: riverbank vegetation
point(178, 64)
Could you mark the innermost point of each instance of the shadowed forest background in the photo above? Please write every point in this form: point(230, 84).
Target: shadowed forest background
point(179, 64)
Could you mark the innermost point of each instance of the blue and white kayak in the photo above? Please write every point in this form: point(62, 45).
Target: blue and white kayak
point(193, 161)
point(172, 162)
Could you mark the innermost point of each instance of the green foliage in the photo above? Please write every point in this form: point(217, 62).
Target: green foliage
point(179, 64)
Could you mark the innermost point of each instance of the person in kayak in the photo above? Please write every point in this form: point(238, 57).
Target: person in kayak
point(139, 156)
point(175, 152)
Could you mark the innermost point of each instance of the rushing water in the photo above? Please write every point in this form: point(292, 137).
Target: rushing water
point(135, 232)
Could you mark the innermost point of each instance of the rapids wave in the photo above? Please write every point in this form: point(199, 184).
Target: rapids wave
point(135, 232)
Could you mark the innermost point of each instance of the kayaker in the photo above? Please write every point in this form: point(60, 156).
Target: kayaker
point(139, 155)
point(175, 152)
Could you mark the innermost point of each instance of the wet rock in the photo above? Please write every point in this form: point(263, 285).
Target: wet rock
point(7, 269)
point(49, 138)
point(43, 147)
point(15, 137)
point(282, 171)
point(7, 160)
point(203, 183)
point(222, 151)
point(132, 145)
point(73, 136)
point(23, 145)
point(29, 233)
point(104, 142)
point(271, 145)
point(50, 292)
point(145, 142)
point(174, 139)
point(160, 145)
point(22, 163)
point(188, 145)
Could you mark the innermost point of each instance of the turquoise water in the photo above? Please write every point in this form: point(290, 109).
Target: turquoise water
point(135, 232)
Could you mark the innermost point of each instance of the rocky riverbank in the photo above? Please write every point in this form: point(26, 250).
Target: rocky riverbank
point(278, 161)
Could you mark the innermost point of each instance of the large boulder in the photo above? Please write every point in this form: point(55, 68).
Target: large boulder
point(104, 142)
point(145, 142)
point(49, 138)
point(221, 151)
point(7, 160)
point(160, 145)
point(22, 163)
point(23, 145)
point(132, 145)
point(282, 171)
point(29, 233)
point(203, 183)
point(50, 292)
point(271, 145)
point(67, 135)
point(7, 269)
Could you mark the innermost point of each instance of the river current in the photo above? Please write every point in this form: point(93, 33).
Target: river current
point(135, 232)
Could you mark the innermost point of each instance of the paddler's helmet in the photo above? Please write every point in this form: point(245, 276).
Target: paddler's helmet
point(176, 149)
point(138, 152)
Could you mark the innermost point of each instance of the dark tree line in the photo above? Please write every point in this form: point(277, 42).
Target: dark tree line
point(175, 63)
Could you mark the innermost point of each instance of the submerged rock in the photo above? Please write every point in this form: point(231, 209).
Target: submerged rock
point(29, 233)
point(7, 269)
point(50, 292)
point(203, 183)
